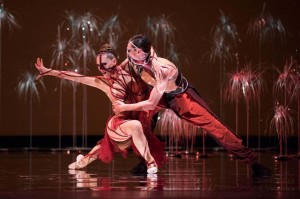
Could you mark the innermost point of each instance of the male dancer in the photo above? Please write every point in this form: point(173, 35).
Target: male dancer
point(172, 90)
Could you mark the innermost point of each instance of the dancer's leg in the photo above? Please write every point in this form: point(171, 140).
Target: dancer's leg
point(193, 112)
point(150, 121)
point(134, 130)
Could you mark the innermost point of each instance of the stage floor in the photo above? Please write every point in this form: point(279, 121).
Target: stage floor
point(44, 175)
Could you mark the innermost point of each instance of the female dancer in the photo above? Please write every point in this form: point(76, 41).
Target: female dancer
point(123, 130)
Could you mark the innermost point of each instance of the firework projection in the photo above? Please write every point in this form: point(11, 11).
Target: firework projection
point(296, 96)
point(86, 32)
point(72, 51)
point(282, 122)
point(58, 59)
point(245, 84)
point(62, 56)
point(112, 31)
point(265, 29)
point(225, 40)
point(28, 90)
point(162, 31)
point(286, 89)
point(285, 85)
point(8, 20)
point(248, 83)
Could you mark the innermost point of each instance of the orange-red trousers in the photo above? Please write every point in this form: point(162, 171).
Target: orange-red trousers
point(191, 107)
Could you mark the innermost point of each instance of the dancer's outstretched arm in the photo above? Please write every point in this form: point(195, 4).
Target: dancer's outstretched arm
point(98, 82)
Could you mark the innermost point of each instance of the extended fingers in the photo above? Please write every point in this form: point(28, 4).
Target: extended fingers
point(38, 63)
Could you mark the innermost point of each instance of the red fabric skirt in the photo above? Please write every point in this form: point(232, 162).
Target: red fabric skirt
point(108, 146)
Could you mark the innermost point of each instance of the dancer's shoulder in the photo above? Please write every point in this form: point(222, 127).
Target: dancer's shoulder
point(164, 62)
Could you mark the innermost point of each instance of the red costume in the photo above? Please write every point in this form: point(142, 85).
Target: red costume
point(131, 91)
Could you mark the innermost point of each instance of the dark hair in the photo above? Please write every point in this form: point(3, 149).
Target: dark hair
point(142, 42)
point(107, 48)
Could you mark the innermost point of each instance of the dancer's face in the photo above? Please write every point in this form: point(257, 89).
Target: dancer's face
point(135, 55)
point(105, 63)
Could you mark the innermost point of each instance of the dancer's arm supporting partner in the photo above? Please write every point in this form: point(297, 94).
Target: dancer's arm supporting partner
point(163, 71)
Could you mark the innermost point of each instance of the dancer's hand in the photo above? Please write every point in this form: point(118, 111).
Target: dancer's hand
point(118, 107)
point(41, 68)
point(153, 53)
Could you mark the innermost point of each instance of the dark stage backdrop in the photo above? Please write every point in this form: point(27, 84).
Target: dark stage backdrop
point(193, 20)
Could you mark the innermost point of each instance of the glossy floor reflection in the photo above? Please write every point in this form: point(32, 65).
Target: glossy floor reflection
point(45, 175)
